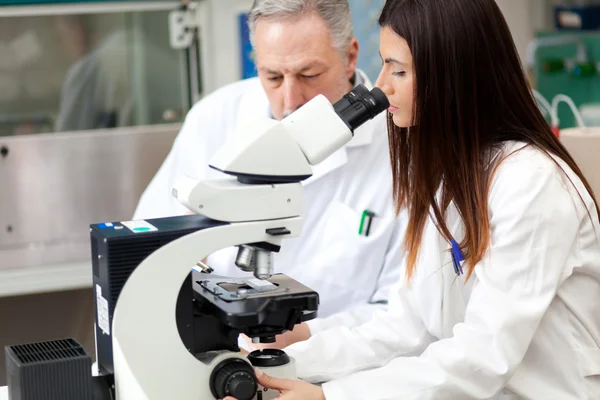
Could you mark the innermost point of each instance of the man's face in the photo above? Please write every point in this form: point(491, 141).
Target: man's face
point(296, 61)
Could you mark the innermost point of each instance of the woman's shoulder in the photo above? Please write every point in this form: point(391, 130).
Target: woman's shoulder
point(525, 171)
point(515, 155)
point(523, 162)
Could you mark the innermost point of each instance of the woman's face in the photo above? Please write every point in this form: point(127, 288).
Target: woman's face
point(396, 78)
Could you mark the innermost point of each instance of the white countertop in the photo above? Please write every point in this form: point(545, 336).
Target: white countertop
point(4, 389)
point(43, 279)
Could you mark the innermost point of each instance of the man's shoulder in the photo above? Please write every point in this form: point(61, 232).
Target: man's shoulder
point(228, 96)
point(243, 87)
point(212, 120)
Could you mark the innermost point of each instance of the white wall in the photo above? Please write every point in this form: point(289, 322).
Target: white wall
point(223, 40)
point(525, 17)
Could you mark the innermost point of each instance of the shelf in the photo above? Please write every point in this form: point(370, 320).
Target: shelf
point(44, 279)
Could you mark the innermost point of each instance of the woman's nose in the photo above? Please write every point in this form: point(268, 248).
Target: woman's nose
point(381, 84)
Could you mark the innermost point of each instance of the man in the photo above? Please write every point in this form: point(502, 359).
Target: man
point(303, 48)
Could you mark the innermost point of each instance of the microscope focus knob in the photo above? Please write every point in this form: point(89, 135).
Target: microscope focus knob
point(234, 377)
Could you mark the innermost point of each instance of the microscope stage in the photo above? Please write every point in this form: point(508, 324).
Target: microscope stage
point(244, 303)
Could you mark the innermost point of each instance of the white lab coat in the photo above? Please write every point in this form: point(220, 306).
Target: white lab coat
point(525, 326)
point(347, 270)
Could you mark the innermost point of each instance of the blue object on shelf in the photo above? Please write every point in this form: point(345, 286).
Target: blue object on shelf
point(577, 17)
point(365, 14)
point(246, 51)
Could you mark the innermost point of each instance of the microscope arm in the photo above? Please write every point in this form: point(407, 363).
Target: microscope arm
point(151, 361)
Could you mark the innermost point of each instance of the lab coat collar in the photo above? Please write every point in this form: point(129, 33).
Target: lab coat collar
point(255, 103)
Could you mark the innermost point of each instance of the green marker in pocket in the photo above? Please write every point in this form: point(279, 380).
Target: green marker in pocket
point(366, 219)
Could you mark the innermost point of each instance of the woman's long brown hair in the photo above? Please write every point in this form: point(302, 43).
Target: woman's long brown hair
point(471, 95)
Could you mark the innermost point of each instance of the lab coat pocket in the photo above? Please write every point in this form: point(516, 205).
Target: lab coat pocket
point(589, 361)
point(355, 256)
point(589, 366)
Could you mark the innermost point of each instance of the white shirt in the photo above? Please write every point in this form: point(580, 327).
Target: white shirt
point(350, 272)
point(525, 326)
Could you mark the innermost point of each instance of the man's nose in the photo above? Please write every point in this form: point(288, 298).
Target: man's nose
point(293, 96)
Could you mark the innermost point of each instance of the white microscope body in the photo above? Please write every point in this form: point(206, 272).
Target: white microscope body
point(261, 203)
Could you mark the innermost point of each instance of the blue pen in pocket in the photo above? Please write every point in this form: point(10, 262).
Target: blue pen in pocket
point(457, 257)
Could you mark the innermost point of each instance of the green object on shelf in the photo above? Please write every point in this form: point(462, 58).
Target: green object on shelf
point(553, 65)
point(583, 70)
point(583, 88)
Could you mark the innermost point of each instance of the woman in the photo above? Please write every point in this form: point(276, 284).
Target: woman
point(483, 178)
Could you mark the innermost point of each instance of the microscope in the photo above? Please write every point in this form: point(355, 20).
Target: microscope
point(167, 326)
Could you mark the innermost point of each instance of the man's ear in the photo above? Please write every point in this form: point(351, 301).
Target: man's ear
point(352, 57)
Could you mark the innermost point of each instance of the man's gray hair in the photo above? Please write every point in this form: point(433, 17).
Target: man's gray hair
point(335, 13)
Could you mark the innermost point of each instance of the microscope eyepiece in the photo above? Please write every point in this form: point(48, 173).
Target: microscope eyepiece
point(360, 105)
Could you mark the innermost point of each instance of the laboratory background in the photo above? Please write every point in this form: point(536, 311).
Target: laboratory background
point(93, 93)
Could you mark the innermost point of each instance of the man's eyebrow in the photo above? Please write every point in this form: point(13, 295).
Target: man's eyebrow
point(301, 70)
point(269, 71)
point(310, 66)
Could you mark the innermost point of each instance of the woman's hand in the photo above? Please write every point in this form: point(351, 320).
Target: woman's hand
point(289, 389)
point(300, 333)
